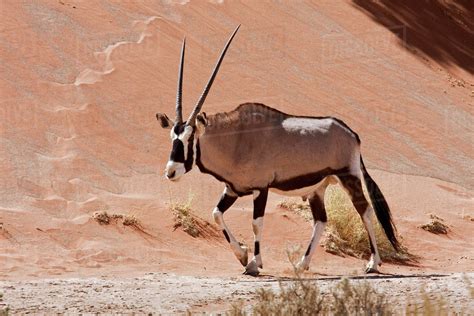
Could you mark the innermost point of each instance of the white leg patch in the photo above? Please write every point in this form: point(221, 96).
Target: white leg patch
point(318, 229)
point(257, 226)
point(374, 261)
point(239, 251)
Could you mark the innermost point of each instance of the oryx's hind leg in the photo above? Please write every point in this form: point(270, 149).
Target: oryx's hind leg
point(259, 203)
point(353, 186)
point(227, 199)
point(316, 203)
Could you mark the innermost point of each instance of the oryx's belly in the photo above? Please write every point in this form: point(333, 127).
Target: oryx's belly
point(298, 192)
point(305, 191)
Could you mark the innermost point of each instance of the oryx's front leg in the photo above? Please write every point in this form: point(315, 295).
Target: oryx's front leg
point(259, 203)
point(227, 199)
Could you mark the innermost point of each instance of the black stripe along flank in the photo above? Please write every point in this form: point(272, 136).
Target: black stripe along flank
point(306, 180)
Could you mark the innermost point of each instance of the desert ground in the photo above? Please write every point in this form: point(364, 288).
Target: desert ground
point(81, 81)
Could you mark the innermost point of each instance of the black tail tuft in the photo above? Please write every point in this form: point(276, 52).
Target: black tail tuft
point(381, 207)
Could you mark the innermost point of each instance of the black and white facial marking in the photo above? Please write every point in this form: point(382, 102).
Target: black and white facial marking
point(182, 151)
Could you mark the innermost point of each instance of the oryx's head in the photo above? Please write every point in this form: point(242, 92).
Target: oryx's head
point(184, 133)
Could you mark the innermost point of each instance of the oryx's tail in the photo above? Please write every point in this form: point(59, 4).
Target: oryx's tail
point(381, 207)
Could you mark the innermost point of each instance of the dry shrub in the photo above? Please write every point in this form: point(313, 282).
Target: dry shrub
point(436, 226)
point(303, 297)
point(4, 310)
point(346, 234)
point(468, 218)
point(300, 298)
point(184, 218)
point(469, 285)
point(300, 208)
point(130, 220)
point(104, 218)
point(358, 299)
point(436, 305)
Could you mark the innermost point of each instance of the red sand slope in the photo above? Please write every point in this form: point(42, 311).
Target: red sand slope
point(80, 84)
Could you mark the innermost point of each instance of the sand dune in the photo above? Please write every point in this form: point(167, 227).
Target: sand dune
point(81, 82)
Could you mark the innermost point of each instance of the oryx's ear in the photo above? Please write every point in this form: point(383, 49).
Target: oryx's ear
point(201, 122)
point(165, 122)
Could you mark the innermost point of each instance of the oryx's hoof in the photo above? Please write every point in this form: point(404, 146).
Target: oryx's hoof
point(371, 270)
point(251, 269)
point(373, 264)
point(302, 266)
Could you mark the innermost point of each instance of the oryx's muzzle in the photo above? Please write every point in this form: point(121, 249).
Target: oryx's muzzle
point(174, 170)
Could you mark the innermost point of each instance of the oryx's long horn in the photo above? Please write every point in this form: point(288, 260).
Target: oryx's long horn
point(197, 108)
point(179, 93)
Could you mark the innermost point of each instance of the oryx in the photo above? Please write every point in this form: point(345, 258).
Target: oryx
point(255, 149)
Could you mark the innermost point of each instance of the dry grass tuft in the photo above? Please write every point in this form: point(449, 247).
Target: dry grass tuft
point(436, 226)
point(468, 218)
point(300, 208)
point(346, 234)
point(104, 218)
point(4, 310)
point(303, 297)
point(184, 218)
point(130, 220)
point(347, 297)
point(469, 285)
point(190, 223)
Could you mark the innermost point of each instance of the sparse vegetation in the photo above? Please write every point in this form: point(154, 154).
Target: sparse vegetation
point(303, 297)
point(4, 310)
point(436, 225)
point(184, 218)
point(300, 208)
point(345, 233)
point(190, 223)
point(469, 285)
point(104, 218)
point(347, 297)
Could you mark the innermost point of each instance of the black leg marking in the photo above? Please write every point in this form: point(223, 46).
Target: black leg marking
point(319, 215)
point(259, 204)
point(226, 235)
point(317, 209)
point(225, 202)
point(257, 248)
point(372, 249)
point(353, 186)
point(309, 248)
